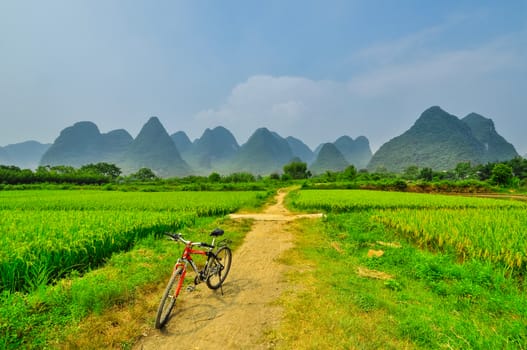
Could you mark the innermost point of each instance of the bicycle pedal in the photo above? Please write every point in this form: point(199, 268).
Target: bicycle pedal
point(191, 288)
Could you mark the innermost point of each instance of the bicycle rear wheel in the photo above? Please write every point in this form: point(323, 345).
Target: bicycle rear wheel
point(168, 301)
point(219, 267)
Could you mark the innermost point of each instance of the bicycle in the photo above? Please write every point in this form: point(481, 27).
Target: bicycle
point(213, 273)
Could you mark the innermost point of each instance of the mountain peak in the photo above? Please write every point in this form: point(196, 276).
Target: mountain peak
point(152, 125)
point(76, 145)
point(475, 119)
point(218, 140)
point(300, 149)
point(356, 152)
point(182, 141)
point(212, 149)
point(153, 148)
point(434, 110)
point(261, 131)
point(265, 152)
point(495, 146)
point(440, 140)
point(329, 158)
point(433, 115)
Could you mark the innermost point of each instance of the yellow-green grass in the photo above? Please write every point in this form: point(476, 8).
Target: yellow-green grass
point(44, 239)
point(108, 307)
point(459, 295)
point(350, 200)
point(481, 228)
point(201, 203)
point(498, 235)
point(423, 300)
point(46, 234)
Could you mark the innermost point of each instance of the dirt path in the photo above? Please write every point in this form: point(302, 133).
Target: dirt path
point(239, 319)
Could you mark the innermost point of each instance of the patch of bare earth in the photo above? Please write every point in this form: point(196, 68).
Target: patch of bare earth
point(241, 317)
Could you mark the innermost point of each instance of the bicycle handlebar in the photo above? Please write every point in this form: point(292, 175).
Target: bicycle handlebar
point(179, 237)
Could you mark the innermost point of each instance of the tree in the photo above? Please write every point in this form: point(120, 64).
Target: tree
point(329, 176)
point(411, 172)
point(63, 169)
point(297, 170)
point(10, 167)
point(239, 177)
point(519, 167)
point(286, 177)
point(363, 175)
point(484, 172)
point(463, 170)
point(274, 176)
point(350, 173)
point(102, 168)
point(144, 174)
point(214, 177)
point(502, 174)
point(426, 174)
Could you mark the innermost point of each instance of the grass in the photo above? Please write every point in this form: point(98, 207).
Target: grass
point(48, 234)
point(121, 324)
point(52, 309)
point(432, 301)
point(105, 308)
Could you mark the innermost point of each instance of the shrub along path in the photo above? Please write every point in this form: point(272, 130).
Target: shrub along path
point(240, 318)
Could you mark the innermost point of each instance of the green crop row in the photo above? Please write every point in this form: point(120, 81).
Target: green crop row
point(40, 246)
point(472, 228)
point(201, 203)
point(349, 200)
point(47, 234)
point(496, 235)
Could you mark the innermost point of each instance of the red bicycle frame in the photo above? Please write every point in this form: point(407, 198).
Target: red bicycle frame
point(186, 258)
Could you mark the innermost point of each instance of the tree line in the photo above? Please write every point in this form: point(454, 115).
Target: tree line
point(511, 173)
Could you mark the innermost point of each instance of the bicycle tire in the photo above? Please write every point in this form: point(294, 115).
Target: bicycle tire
point(168, 301)
point(219, 267)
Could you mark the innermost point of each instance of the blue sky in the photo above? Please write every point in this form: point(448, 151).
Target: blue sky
point(315, 70)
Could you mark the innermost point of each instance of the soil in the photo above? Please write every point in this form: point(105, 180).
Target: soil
point(247, 311)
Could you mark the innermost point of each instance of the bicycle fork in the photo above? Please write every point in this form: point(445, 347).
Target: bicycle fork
point(181, 279)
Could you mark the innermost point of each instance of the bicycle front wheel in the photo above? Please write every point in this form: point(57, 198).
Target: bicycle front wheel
point(219, 267)
point(168, 301)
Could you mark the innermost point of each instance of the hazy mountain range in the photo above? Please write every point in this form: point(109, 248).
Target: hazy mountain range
point(25, 155)
point(437, 139)
point(216, 150)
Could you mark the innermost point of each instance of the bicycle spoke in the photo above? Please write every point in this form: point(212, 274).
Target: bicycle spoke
point(220, 268)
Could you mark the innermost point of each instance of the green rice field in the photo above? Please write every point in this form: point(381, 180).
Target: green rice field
point(47, 234)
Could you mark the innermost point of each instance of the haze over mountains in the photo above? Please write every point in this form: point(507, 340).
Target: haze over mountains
point(216, 150)
point(440, 141)
point(83, 143)
point(25, 155)
point(437, 140)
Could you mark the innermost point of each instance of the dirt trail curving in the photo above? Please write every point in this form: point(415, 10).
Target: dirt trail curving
point(240, 318)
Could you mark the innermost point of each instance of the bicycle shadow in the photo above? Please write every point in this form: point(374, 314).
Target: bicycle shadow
point(192, 313)
point(232, 290)
point(191, 317)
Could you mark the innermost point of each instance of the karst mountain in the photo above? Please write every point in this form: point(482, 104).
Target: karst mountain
point(437, 139)
point(440, 141)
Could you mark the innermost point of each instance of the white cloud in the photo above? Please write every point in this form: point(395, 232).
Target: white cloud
point(485, 79)
point(385, 101)
point(289, 105)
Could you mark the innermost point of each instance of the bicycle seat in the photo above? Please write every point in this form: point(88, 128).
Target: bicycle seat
point(217, 232)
